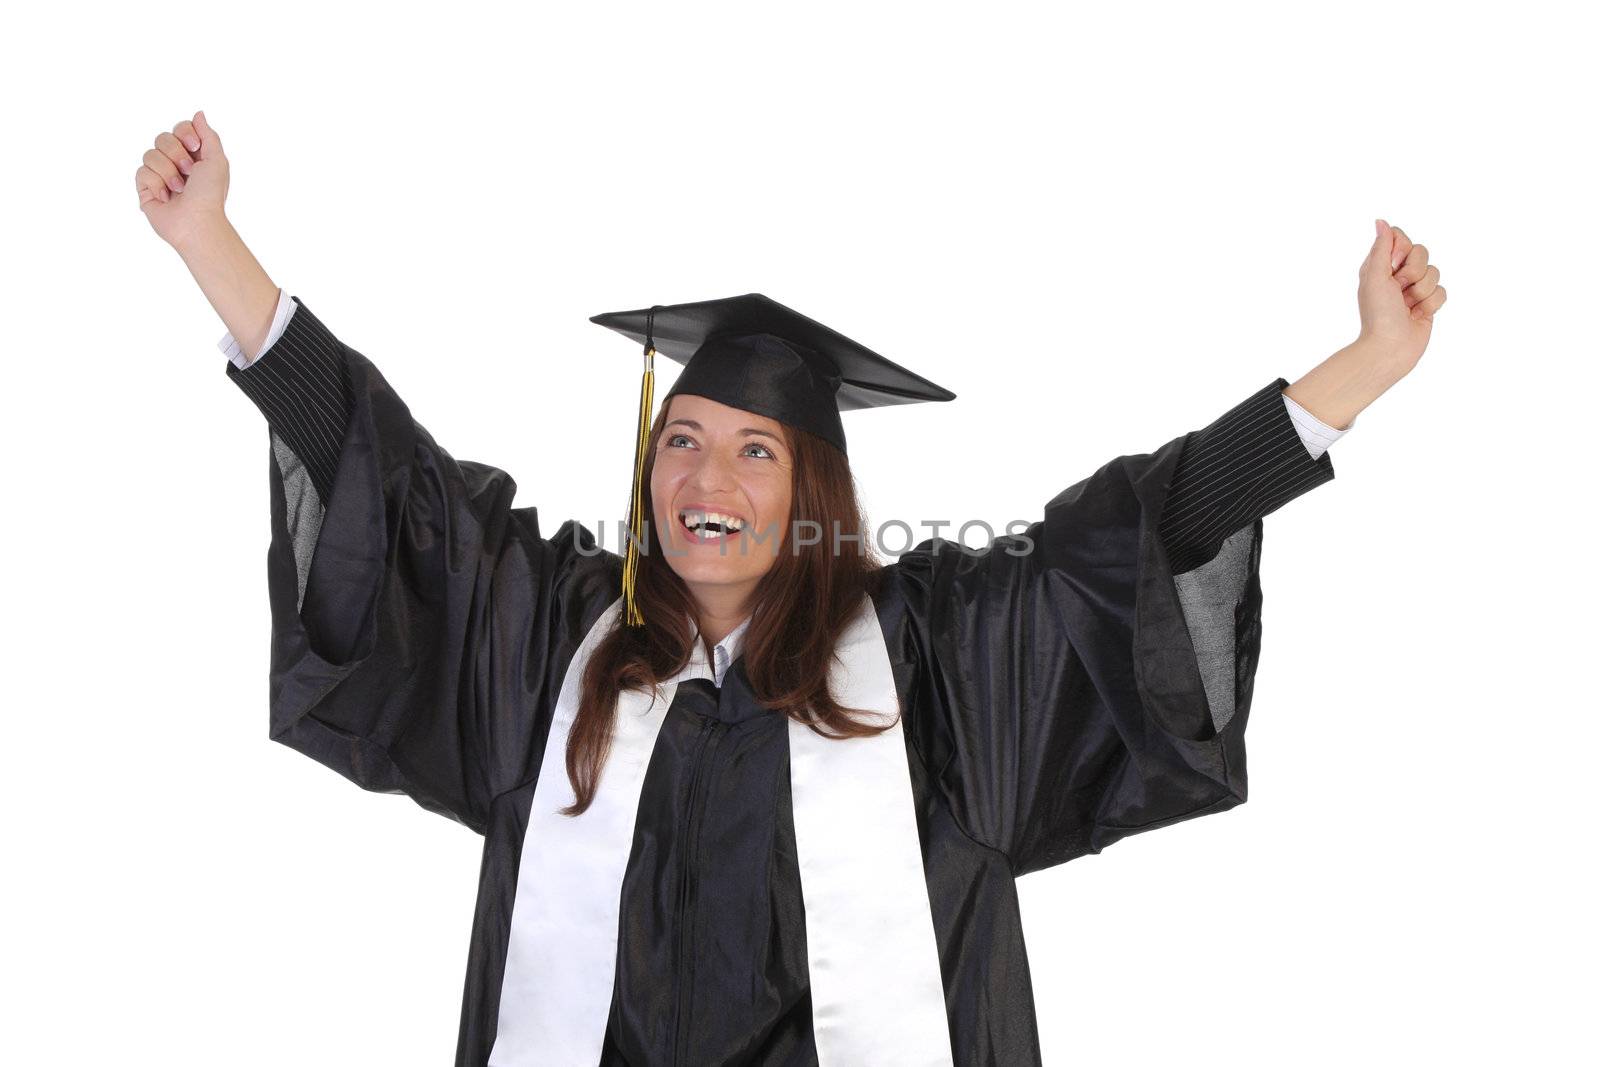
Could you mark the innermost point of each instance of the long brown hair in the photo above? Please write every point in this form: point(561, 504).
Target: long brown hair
point(802, 604)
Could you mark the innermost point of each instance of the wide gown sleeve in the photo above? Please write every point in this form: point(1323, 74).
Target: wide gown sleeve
point(420, 623)
point(1091, 677)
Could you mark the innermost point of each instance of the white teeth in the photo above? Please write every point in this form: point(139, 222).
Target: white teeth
point(697, 520)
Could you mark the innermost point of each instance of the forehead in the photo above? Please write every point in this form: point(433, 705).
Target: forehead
point(716, 416)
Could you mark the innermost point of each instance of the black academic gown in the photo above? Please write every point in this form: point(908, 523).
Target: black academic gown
point(1054, 702)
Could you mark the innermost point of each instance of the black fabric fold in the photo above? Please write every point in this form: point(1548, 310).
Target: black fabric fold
point(420, 622)
point(1077, 687)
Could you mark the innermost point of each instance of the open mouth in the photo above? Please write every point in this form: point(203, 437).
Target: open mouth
point(705, 526)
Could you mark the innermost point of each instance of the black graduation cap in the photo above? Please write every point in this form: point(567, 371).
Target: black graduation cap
point(752, 352)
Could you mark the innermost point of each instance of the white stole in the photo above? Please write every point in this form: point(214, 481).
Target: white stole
point(876, 991)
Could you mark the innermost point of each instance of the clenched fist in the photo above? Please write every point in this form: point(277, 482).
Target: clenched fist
point(183, 181)
point(1399, 292)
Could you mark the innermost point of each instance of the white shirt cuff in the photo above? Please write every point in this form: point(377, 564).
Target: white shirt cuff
point(1316, 434)
point(280, 319)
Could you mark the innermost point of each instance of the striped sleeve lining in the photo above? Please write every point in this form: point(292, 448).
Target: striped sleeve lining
point(304, 392)
point(1245, 465)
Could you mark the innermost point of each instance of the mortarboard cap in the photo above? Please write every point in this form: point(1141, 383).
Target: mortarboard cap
point(752, 352)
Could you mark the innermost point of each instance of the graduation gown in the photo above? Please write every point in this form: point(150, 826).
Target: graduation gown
point(745, 891)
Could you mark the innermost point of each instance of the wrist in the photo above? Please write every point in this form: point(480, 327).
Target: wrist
point(204, 237)
point(1381, 354)
point(1341, 386)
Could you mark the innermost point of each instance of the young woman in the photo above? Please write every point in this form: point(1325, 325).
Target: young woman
point(748, 795)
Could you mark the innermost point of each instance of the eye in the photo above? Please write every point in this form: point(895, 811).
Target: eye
point(671, 441)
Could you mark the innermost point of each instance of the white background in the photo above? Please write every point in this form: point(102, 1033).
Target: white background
point(1101, 227)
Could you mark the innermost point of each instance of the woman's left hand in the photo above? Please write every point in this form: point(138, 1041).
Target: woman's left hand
point(1398, 293)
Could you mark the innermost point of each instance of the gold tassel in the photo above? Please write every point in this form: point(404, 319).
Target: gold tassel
point(636, 516)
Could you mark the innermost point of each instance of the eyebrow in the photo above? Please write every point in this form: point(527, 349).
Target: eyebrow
point(747, 431)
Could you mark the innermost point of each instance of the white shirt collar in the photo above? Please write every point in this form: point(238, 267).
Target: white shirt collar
point(726, 651)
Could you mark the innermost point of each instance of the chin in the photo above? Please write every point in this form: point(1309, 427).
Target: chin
point(712, 571)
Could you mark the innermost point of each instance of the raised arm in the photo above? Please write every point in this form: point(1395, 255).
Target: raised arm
point(1091, 678)
point(420, 623)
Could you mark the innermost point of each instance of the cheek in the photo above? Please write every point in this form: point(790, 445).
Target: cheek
point(662, 489)
point(663, 480)
point(771, 499)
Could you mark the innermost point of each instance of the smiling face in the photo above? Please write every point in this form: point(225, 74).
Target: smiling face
point(717, 467)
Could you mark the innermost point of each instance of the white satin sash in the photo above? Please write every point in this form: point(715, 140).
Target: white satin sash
point(876, 990)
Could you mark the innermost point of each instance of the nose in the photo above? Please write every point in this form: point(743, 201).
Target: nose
point(712, 474)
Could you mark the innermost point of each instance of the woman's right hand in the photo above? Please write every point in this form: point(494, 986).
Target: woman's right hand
point(183, 181)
